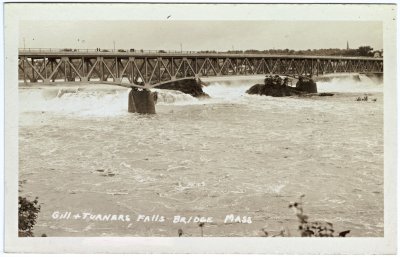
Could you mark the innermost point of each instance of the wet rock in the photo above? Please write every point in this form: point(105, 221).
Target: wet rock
point(365, 98)
point(192, 87)
point(326, 94)
point(306, 85)
point(275, 86)
point(273, 90)
point(257, 89)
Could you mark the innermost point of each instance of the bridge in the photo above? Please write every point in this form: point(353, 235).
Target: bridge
point(147, 69)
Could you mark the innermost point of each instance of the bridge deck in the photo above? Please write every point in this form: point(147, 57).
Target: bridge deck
point(90, 53)
point(150, 69)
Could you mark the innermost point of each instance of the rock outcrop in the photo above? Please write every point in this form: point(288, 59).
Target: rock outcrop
point(306, 85)
point(275, 86)
point(192, 87)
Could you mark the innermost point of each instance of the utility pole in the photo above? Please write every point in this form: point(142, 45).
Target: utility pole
point(114, 45)
point(181, 47)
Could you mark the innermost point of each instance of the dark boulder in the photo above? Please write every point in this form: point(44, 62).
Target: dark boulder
point(192, 87)
point(274, 86)
point(257, 89)
point(326, 94)
point(273, 90)
point(306, 85)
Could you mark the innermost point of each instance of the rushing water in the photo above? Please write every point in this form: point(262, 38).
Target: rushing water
point(80, 151)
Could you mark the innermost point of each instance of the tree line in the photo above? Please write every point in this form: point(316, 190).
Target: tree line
point(360, 51)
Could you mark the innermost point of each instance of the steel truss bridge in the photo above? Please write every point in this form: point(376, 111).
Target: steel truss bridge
point(150, 69)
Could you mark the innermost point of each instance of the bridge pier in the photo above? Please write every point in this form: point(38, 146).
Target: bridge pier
point(142, 101)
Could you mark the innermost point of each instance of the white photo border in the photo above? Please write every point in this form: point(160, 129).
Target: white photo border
point(16, 12)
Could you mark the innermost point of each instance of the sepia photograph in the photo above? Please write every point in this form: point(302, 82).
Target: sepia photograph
point(176, 124)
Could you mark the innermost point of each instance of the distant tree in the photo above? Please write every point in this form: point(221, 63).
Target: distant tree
point(365, 51)
point(361, 51)
point(252, 51)
point(351, 52)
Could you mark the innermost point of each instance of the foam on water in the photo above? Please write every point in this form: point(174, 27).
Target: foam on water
point(350, 84)
point(100, 102)
point(226, 91)
point(173, 97)
point(96, 102)
point(231, 153)
point(112, 101)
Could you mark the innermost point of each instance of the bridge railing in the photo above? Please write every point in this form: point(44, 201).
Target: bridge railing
point(54, 50)
point(88, 50)
point(76, 51)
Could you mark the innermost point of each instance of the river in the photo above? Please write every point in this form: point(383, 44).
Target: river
point(80, 151)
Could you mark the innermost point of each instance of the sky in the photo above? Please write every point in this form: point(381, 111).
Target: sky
point(200, 35)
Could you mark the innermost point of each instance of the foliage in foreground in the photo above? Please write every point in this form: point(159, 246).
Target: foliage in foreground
point(306, 228)
point(27, 214)
point(313, 228)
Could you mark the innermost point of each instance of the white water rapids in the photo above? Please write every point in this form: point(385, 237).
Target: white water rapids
point(233, 153)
